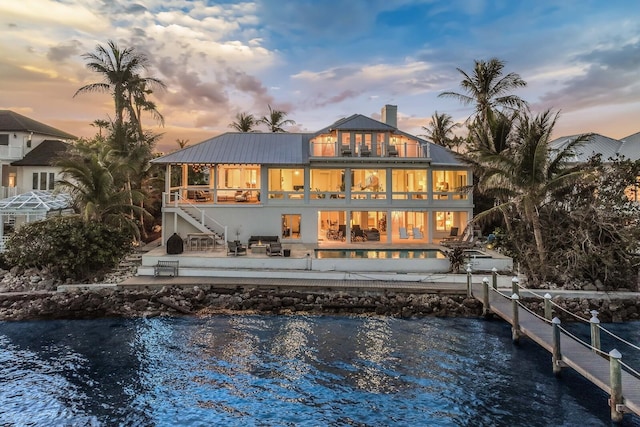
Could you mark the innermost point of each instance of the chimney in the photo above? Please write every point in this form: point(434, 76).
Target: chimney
point(390, 115)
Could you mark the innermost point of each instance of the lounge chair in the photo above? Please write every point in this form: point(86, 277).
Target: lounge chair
point(403, 233)
point(453, 235)
point(274, 249)
point(392, 151)
point(417, 234)
point(466, 241)
point(235, 249)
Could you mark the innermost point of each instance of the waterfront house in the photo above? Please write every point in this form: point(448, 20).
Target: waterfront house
point(356, 180)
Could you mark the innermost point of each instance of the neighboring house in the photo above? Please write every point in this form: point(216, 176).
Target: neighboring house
point(357, 179)
point(609, 149)
point(27, 148)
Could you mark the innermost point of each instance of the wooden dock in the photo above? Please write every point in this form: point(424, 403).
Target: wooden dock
point(591, 365)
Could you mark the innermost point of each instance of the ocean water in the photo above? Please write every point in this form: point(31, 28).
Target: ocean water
point(244, 370)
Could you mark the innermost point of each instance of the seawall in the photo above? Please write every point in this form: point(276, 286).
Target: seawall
point(113, 301)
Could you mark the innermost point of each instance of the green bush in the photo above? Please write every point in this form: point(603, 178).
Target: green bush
point(68, 247)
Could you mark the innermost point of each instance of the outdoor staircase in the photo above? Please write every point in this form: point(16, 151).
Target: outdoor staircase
point(204, 223)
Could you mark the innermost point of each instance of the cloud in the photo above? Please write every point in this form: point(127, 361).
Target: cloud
point(64, 51)
point(597, 86)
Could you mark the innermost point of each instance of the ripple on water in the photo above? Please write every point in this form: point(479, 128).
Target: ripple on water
point(283, 371)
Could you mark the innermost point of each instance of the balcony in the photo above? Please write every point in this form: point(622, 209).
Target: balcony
point(404, 148)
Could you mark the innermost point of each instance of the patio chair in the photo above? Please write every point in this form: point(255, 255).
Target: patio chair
point(466, 241)
point(403, 233)
point(235, 249)
point(453, 235)
point(274, 249)
point(392, 151)
point(417, 234)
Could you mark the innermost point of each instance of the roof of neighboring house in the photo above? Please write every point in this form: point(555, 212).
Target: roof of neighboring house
point(631, 146)
point(596, 144)
point(14, 122)
point(42, 155)
point(245, 148)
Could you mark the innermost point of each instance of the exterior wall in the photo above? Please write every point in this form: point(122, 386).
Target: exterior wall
point(25, 177)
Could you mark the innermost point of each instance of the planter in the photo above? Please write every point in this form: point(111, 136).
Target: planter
point(286, 252)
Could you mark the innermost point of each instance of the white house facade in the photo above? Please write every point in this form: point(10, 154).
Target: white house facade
point(357, 180)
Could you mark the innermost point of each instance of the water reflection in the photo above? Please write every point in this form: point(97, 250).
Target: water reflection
point(284, 371)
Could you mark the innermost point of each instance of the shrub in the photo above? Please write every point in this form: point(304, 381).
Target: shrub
point(68, 247)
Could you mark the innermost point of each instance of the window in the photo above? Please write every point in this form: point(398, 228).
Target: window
point(291, 226)
point(368, 183)
point(4, 139)
point(446, 220)
point(286, 183)
point(327, 183)
point(409, 184)
point(449, 184)
point(239, 177)
point(43, 181)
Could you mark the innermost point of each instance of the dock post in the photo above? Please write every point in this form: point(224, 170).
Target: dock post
point(547, 306)
point(514, 286)
point(595, 330)
point(486, 309)
point(469, 293)
point(515, 328)
point(556, 356)
point(494, 277)
point(616, 400)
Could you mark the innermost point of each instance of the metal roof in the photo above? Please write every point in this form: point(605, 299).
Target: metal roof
point(245, 148)
point(631, 146)
point(596, 144)
point(37, 200)
point(14, 122)
point(357, 122)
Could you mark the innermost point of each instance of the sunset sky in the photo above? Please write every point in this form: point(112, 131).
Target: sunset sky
point(323, 60)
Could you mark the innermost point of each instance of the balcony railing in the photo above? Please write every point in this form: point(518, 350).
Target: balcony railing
point(407, 149)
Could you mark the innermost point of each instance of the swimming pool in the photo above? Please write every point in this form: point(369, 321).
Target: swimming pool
point(381, 253)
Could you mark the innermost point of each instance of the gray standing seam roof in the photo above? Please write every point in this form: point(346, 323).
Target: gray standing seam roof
point(596, 144)
point(244, 148)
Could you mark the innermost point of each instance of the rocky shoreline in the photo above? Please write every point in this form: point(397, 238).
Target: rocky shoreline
point(32, 295)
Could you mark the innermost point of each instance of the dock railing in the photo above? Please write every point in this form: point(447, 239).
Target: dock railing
point(605, 369)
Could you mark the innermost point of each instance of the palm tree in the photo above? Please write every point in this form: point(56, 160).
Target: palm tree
point(528, 174)
point(440, 129)
point(100, 124)
point(91, 175)
point(488, 88)
point(182, 142)
point(276, 120)
point(244, 122)
point(120, 69)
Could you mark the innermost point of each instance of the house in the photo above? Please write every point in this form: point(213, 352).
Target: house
point(355, 180)
point(27, 148)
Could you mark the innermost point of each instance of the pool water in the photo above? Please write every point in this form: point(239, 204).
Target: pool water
point(381, 253)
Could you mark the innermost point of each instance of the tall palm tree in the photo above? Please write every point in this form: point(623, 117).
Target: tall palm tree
point(488, 88)
point(120, 70)
point(528, 174)
point(245, 122)
point(276, 120)
point(440, 129)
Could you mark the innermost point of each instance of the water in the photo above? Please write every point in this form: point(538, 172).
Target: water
point(380, 253)
point(286, 371)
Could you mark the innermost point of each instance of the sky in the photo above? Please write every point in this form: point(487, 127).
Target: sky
point(321, 60)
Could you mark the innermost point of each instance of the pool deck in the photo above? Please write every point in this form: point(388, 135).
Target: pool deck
point(302, 268)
